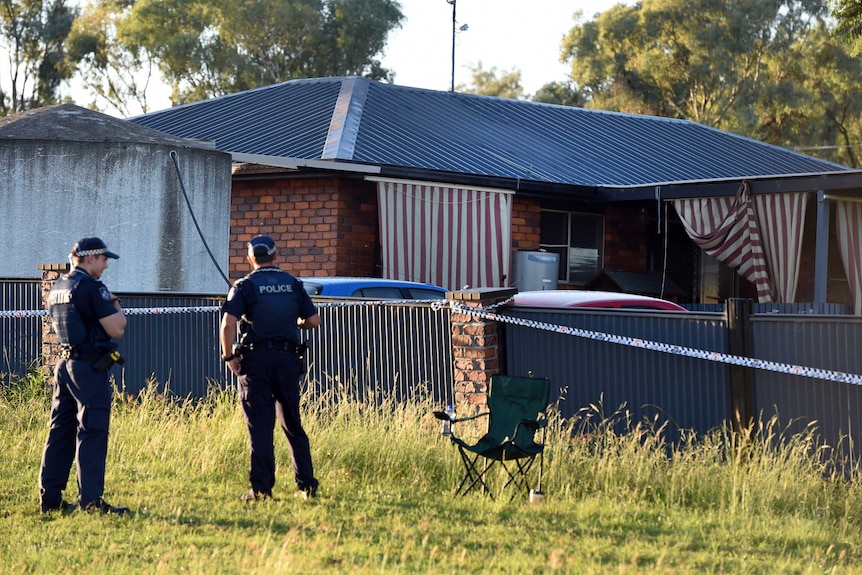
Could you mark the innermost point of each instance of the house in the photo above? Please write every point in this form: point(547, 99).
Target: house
point(359, 177)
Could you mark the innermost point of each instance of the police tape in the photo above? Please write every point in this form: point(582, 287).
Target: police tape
point(126, 311)
point(206, 308)
point(666, 347)
point(486, 313)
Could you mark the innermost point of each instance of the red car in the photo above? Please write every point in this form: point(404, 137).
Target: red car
point(582, 298)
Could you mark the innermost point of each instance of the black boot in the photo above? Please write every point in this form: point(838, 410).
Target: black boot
point(105, 509)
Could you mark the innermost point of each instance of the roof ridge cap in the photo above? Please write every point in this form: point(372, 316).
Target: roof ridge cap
point(346, 116)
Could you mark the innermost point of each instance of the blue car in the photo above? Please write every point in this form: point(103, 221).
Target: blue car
point(375, 288)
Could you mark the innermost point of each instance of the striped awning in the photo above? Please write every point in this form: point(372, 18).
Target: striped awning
point(760, 237)
point(451, 237)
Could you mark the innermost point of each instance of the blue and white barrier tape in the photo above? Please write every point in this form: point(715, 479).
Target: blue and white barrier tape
point(200, 309)
point(127, 311)
point(667, 347)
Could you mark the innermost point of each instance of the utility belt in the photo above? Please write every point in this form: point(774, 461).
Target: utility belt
point(102, 361)
point(284, 345)
point(272, 345)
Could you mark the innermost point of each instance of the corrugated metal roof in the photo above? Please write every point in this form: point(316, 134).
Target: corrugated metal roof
point(360, 120)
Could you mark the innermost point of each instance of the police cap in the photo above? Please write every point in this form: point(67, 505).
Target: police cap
point(261, 246)
point(92, 247)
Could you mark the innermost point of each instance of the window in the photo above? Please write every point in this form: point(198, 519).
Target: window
point(422, 293)
point(380, 292)
point(578, 239)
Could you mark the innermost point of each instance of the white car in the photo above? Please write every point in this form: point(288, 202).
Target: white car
point(584, 298)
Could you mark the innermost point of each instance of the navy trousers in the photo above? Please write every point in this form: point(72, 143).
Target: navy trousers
point(269, 389)
point(78, 430)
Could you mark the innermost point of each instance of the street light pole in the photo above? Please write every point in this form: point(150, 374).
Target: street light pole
point(452, 2)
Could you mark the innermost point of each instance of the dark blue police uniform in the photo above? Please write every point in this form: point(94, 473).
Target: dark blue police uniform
point(268, 302)
point(81, 404)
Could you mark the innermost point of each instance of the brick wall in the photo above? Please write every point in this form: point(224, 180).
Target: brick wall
point(322, 226)
point(526, 224)
point(476, 348)
point(50, 341)
point(328, 226)
point(625, 239)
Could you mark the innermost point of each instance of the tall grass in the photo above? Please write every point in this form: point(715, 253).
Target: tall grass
point(619, 496)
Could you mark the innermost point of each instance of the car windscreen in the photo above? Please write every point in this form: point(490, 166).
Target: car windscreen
point(380, 292)
point(425, 293)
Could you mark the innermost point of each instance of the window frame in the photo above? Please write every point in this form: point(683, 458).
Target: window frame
point(564, 275)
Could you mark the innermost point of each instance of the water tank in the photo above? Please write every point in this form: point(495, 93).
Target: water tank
point(535, 271)
point(70, 173)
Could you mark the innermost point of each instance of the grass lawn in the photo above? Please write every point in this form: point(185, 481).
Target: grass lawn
point(614, 503)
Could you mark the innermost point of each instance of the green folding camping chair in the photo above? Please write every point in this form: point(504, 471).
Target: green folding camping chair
point(516, 413)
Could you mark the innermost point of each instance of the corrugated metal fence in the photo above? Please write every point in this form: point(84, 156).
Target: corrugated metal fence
point(811, 341)
point(177, 352)
point(684, 392)
point(20, 338)
point(405, 351)
point(692, 393)
point(401, 351)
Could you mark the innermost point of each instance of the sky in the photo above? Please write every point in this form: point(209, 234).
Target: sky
point(504, 34)
point(501, 34)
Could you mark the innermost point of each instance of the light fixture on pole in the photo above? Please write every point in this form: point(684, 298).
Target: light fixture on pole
point(452, 2)
point(463, 28)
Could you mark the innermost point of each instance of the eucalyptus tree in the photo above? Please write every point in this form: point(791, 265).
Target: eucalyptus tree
point(207, 48)
point(33, 38)
point(768, 70)
point(494, 83)
point(848, 14)
point(117, 73)
point(815, 100)
point(561, 93)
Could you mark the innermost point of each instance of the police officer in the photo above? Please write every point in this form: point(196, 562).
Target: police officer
point(86, 316)
point(271, 307)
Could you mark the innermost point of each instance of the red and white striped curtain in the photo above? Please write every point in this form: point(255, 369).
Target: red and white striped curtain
point(451, 237)
point(781, 219)
point(726, 229)
point(760, 237)
point(849, 231)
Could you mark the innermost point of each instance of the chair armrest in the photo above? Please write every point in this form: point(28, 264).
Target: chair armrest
point(469, 417)
point(530, 424)
point(442, 415)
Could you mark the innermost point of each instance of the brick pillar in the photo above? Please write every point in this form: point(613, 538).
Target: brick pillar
point(477, 347)
point(50, 344)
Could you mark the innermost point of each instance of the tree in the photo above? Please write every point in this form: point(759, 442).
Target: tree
point(695, 59)
point(561, 93)
point(116, 73)
point(488, 83)
point(33, 36)
point(207, 48)
point(815, 105)
point(767, 70)
point(848, 14)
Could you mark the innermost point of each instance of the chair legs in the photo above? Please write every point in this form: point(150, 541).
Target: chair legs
point(473, 475)
point(518, 471)
point(518, 477)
